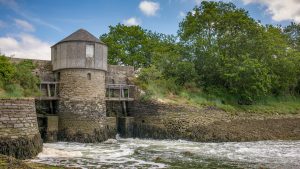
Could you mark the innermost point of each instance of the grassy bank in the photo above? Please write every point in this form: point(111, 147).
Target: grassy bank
point(196, 97)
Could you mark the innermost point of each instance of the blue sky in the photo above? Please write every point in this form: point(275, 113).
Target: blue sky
point(29, 27)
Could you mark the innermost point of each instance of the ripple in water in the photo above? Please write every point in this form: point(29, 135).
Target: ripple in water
point(143, 153)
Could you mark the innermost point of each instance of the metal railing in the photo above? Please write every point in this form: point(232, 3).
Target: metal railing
point(120, 92)
point(50, 90)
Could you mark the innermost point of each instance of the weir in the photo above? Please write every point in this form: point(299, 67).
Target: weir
point(118, 98)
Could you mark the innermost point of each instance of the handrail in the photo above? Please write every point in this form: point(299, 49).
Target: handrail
point(121, 88)
point(113, 84)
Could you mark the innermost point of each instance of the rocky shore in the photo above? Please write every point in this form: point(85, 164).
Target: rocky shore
point(208, 124)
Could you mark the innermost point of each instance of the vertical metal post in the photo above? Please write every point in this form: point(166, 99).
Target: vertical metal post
point(48, 89)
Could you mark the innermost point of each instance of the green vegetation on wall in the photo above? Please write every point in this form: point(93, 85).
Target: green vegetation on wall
point(220, 53)
point(16, 79)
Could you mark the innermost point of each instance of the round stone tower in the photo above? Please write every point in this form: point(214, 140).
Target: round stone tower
point(79, 63)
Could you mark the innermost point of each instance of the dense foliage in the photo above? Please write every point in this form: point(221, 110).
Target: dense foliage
point(16, 79)
point(219, 49)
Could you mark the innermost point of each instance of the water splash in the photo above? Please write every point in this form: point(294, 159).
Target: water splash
point(143, 153)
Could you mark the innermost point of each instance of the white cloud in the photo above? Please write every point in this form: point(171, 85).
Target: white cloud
point(280, 10)
point(149, 8)
point(26, 26)
point(25, 46)
point(131, 21)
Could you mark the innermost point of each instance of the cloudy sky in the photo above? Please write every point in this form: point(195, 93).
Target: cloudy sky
point(29, 27)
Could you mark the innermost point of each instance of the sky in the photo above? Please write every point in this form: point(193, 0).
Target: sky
point(28, 28)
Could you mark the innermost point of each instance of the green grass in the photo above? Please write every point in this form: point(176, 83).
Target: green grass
point(277, 105)
point(228, 103)
point(14, 93)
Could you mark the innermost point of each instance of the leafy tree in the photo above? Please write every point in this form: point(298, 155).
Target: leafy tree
point(128, 45)
point(7, 70)
point(233, 51)
point(220, 47)
point(246, 78)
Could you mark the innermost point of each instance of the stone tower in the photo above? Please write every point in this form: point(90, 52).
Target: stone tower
point(79, 63)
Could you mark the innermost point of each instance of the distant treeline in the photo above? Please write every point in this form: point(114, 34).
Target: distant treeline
point(17, 79)
point(219, 48)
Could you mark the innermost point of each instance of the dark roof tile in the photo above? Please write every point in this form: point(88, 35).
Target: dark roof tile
point(80, 35)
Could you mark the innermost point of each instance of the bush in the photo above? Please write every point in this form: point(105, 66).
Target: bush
point(7, 69)
point(149, 74)
point(17, 80)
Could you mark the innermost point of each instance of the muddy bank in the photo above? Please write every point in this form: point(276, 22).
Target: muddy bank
point(165, 121)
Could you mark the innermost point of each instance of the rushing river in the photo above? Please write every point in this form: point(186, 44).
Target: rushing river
point(143, 153)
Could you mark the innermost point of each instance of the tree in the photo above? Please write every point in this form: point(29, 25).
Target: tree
point(7, 70)
point(232, 51)
point(246, 78)
point(128, 45)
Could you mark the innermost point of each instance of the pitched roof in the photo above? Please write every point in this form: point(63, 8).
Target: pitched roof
point(80, 35)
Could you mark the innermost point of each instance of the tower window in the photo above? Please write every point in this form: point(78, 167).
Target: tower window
point(89, 76)
point(90, 50)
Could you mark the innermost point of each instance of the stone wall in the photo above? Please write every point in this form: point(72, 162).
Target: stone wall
point(119, 74)
point(82, 107)
point(19, 135)
point(74, 84)
point(208, 124)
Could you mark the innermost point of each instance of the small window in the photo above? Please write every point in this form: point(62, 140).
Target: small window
point(89, 76)
point(90, 51)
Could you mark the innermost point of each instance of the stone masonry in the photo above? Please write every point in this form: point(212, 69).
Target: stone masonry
point(19, 134)
point(82, 106)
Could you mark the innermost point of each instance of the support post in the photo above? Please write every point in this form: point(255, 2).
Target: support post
point(48, 89)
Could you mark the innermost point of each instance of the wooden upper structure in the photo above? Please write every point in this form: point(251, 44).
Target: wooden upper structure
point(79, 50)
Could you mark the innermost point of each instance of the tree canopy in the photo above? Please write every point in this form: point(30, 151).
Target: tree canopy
point(219, 47)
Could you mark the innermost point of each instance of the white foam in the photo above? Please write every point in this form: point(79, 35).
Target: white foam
point(51, 152)
point(121, 152)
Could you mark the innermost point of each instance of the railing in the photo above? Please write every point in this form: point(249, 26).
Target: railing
point(120, 92)
point(50, 93)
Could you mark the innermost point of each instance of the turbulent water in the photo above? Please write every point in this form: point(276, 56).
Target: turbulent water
point(143, 153)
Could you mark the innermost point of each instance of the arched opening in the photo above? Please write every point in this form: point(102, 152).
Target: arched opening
point(89, 76)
